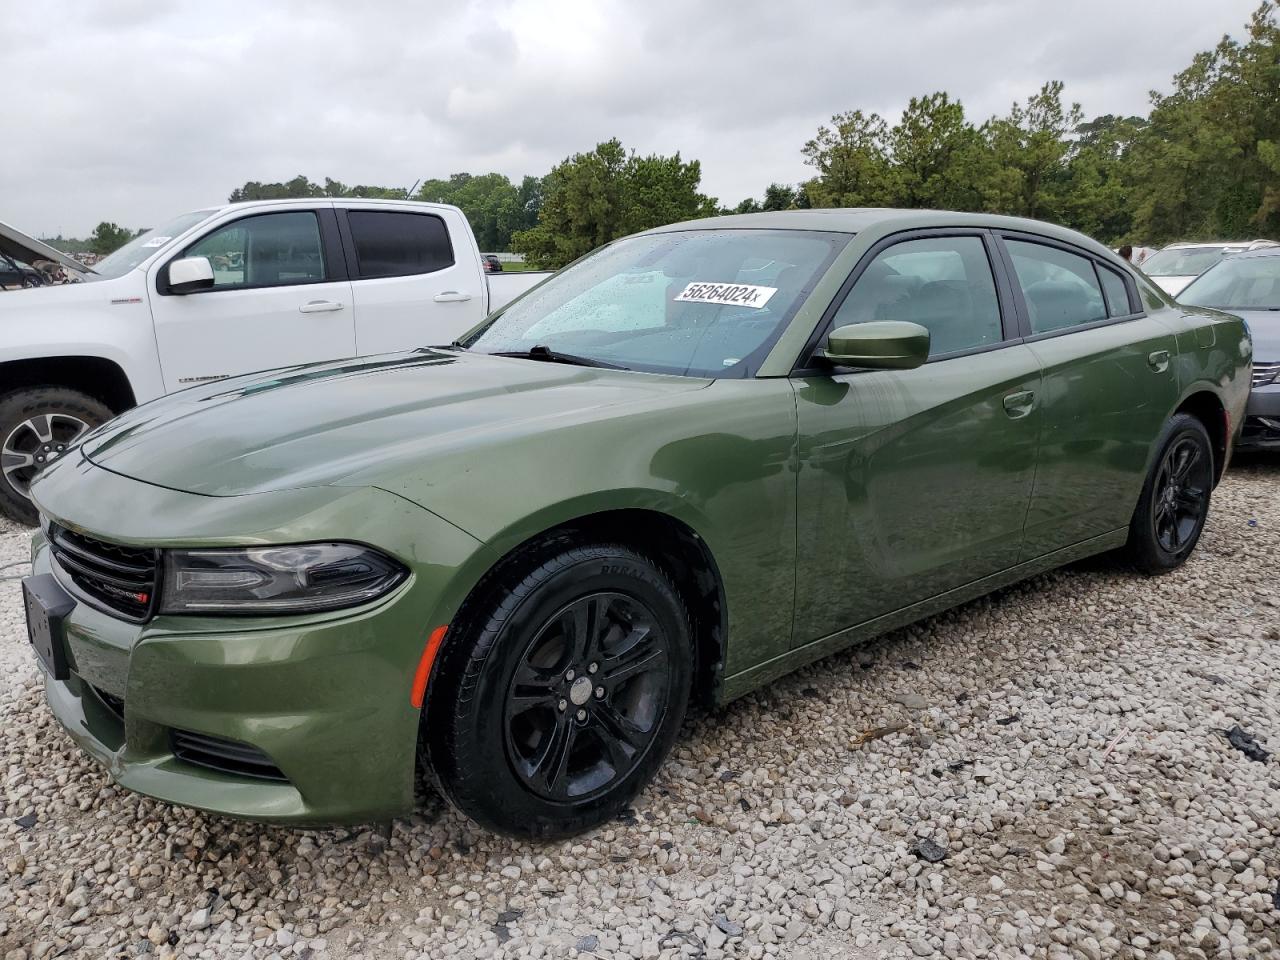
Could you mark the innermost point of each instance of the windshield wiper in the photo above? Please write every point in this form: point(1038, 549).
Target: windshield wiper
point(543, 352)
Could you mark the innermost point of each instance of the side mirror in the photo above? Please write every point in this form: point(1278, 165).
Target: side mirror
point(882, 345)
point(190, 274)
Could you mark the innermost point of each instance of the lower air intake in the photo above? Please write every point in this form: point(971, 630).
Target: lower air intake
point(225, 756)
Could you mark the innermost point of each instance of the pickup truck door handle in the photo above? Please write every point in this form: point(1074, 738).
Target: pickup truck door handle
point(320, 306)
point(1018, 405)
point(451, 296)
point(1159, 360)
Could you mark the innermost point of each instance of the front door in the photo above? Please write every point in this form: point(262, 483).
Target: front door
point(914, 482)
point(280, 297)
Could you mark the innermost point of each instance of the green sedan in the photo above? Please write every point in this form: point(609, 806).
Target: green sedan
point(695, 460)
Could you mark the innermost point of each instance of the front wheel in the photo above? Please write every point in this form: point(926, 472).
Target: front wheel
point(1175, 498)
point(37, 426)
point(561, 694)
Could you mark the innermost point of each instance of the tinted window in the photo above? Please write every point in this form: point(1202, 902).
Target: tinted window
point(703, 303)
point(392, 244)
point(942, 283)
point(274, 249)
point(1117, 292)
point(1061, 289)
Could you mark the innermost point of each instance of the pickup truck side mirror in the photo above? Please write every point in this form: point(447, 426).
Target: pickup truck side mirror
point(879, 345)
point(190, 274)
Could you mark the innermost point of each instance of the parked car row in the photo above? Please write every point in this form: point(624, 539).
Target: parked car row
point(699, 458)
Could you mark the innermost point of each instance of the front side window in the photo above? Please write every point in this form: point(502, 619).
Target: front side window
point(1241, 283)
point(269, 250)
point(942, 283)
point(1061, 289)
point(702, 303)
point(392, 244)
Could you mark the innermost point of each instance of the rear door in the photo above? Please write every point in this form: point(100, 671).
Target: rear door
point(280, 297)
point(914, 482)
point(1109, 385)
point(416, 276)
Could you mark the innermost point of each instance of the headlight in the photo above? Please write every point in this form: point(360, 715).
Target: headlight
point(295, 579)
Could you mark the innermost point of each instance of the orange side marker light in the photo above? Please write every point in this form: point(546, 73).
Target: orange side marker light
point(424, 666)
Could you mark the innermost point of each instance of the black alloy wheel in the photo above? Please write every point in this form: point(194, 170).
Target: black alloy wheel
point(559, 689)
point(587, 698)
point(1174, 503)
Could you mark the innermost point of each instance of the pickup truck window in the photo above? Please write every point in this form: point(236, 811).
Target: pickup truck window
point(144, 245)
point(391, 244)
point(269, 250)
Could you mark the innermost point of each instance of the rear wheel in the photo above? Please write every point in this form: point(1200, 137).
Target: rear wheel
point(561, 694)
point(1175, 498)
point(37, 426)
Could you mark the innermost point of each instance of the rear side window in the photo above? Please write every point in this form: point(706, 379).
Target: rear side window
point(1061, 289)
point(393, 244)
point(942, 283)
point(1117, 292)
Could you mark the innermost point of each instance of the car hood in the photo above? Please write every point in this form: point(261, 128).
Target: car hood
point(1264, 329)
point(1172, 285)
point(354, 421)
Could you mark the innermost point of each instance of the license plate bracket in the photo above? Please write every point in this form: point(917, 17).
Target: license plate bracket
point(47, 606)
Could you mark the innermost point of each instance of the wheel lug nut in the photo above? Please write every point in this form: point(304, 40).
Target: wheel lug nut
point(563, 705)
point(582, 714)
point(599, 693)
point(592, 668)
point(570, 675)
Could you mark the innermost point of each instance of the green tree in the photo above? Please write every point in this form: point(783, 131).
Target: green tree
point(853, 162)
point(493, 205)
point(108, 237)
point(1029, 148)
point(594, 197)
point(937, 156)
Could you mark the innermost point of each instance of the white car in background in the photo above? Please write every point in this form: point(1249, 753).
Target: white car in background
point(1179, 263)
point(228, 290)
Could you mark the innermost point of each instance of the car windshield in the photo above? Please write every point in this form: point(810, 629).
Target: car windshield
point(1182, 261)
point(1240, 283)
point(143, 246)
point(701, 303)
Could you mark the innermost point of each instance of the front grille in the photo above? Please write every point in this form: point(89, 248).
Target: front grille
point(225, 756)
point(1265, 373)
point(117, 579)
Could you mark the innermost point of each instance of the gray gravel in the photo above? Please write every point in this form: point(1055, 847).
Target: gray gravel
point(1041, 773)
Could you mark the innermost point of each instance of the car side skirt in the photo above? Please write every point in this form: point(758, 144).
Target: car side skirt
point(743, 683)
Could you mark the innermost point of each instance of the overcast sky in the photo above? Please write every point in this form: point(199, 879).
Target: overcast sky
point(135, 110)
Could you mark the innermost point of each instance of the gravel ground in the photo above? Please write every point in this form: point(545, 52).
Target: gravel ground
point(1057, 749)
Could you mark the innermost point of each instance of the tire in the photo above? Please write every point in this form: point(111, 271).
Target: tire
point(25, 436)
point(503, 706)
point(1171, 512)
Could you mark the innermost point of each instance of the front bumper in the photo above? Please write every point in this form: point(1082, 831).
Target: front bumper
point(1262, 420)
point(325, 697)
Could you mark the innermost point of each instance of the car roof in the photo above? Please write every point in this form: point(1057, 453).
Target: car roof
point(860, 219)
point(1220, 243)
point(1273, 251)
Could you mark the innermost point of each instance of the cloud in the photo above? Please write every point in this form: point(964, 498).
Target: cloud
point(133, 111)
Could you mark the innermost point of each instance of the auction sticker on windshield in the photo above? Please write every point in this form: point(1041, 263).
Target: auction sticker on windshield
point(731, 294)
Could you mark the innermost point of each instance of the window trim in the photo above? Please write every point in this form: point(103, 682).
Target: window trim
point(330, 252)
point(805, 366)
point(1024, 315)
point(349, 243)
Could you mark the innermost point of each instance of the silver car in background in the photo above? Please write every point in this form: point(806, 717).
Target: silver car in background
point(1179, 263)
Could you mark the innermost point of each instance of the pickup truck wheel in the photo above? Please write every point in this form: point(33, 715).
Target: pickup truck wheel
point(1175, 498)
point(562, 694)
point(37, 426)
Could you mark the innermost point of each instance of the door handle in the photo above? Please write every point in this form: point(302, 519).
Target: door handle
point(1018, 405)
point(1159, 360)
point(320, 306)
point(451, 296)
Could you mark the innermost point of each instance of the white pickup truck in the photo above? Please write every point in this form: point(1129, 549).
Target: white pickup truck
point(229, 290)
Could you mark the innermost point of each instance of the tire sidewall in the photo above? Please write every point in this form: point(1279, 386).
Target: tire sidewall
point(20, 405)
point(480, 779)
point(1145, 547)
